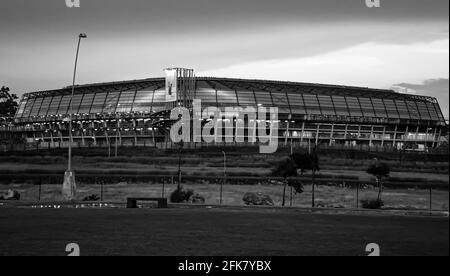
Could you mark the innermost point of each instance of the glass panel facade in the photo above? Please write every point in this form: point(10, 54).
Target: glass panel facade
point(281, 101)
point(22, 105)
point(76, 102)
point(246, 98)
point(434, 114)
point(402, 109)
point(220, 93)
point(126, 101)
point(367, 107)
point(208, 96)
point(340, 105)
point(143, 101)
point(263, 98)
point(36, 107)
point(27, 109)
point(99, 102)
point(226, 98)
point(111, 102)
point(86, 104)
point(439, 112)
point(53, 109)
point(312, 104)
point(354, 106)
point(159, 101)
point(423, 110)
point(297, 105)
point(326, 105)
point(391, 109)
point(379, 108)
point(45, 105)
point(64, 105)
point(413, 111)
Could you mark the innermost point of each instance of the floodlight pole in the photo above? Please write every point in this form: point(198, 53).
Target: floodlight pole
point(69, 177)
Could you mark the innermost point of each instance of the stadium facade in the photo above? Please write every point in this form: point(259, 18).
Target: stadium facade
point(137, 112)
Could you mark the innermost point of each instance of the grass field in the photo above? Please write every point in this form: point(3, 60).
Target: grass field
point(326, 195)
point(201, 231)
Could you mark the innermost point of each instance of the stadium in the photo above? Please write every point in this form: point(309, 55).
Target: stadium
point(137, 112)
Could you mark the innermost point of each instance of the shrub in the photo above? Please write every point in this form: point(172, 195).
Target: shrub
point(257, 199)
point(372, 204)
point(92, 198)
point(197, 199)
point(181, 195)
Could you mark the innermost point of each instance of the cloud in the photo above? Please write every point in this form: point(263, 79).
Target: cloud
point(369, 64)
point(438, 88)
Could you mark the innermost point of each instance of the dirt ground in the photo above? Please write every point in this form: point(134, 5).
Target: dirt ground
point(327, 196)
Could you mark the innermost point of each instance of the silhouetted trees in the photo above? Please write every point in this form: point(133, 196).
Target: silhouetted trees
point(380, 171)
point(8, 102)
point(285, 168)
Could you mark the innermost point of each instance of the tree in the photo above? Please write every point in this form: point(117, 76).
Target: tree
point(305, 162)
point(285, 168)
point(8, 103)
point(380, 171)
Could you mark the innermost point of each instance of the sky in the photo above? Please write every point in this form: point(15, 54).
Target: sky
point(403, 45)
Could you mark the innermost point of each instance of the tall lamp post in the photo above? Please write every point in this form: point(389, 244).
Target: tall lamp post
point(69, 185)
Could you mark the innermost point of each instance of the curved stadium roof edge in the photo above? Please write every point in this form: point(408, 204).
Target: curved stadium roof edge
point(337, 88)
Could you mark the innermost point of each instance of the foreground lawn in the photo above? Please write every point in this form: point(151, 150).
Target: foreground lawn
point(202, 231)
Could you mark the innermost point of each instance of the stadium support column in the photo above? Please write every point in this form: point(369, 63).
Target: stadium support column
point(346, 133)
point(83, 141)
point(286, 137)
point(394, 141)
point(405, 138)
point(434, 138)
point(417, 135)
point(331, 134)
point(383, 137)
point(303, 132)
point(439, 137)
point(371, 137)
point(317, 134)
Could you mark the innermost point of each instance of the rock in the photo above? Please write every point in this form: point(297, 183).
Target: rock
point(197, 199)
point(12, 195)
point(336, 206)
point(257, 199)
point(92, 198)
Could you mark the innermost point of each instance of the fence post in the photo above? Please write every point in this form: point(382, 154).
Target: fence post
point(290, 204)
point(101, 189)
point(431, 202)
point(357, 196)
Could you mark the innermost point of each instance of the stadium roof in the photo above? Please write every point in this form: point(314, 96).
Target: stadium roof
point(240, 84)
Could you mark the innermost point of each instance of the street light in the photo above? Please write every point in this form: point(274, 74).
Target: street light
point(69, 185)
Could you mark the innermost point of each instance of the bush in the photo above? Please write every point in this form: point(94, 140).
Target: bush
point(257, 199)
point(181, 195)
point(92, 198)
point(197, 199)
point(372, 204)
